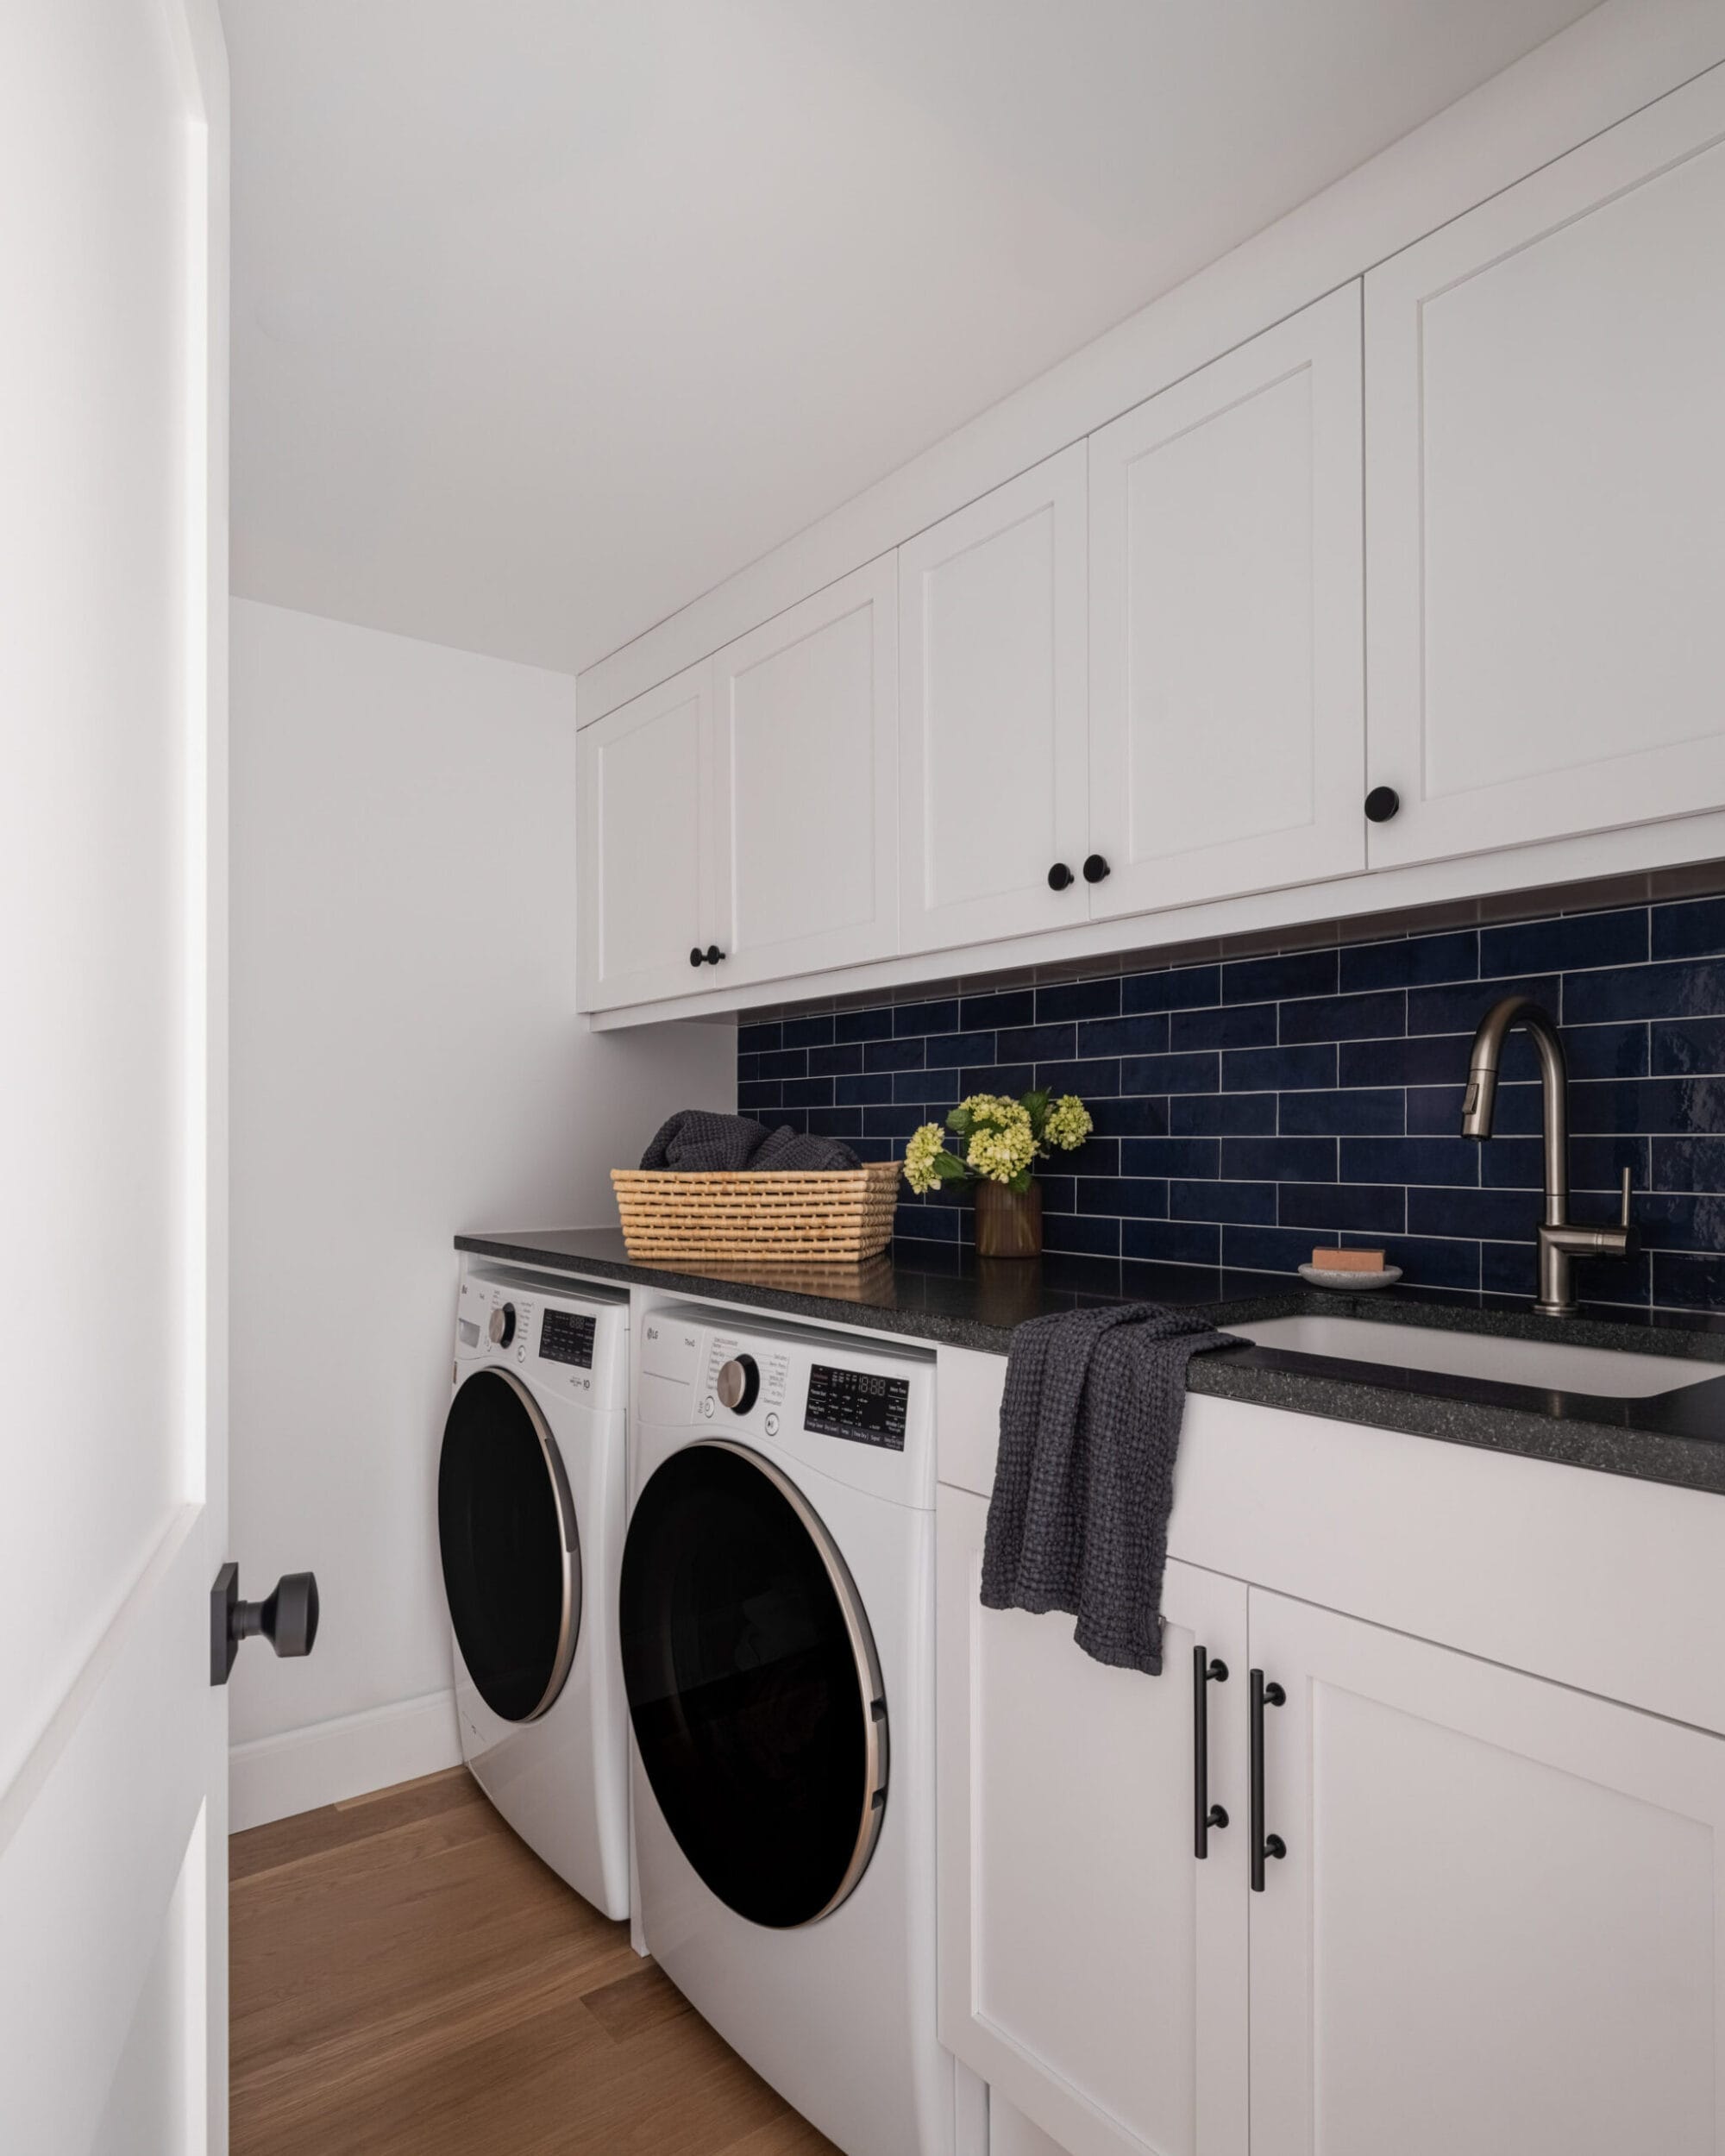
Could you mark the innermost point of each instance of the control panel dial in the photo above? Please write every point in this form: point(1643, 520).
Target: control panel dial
point(738, 1383)
point(502, 1325)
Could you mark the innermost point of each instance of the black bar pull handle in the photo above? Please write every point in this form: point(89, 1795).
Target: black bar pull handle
point(1262, 1844)
point(1205, 1815)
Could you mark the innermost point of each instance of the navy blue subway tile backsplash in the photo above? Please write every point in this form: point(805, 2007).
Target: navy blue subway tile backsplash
point(1248, 1110)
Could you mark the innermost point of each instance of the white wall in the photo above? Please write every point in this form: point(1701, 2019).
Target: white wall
point(406, 1063)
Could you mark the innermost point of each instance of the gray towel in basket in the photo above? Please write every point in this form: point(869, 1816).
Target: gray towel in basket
point(1084, 1480)
point(698, 1140)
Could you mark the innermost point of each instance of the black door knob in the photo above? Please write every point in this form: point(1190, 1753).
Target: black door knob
point(287, 1618)
point(1381, 803)
point(713, 953)
point(1095, 868)
point(1059, 876)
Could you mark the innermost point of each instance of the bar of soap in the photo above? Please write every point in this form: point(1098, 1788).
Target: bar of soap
point(1348, 1260)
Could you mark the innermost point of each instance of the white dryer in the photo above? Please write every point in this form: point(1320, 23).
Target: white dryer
point(777, 1613)
point(530, 1492)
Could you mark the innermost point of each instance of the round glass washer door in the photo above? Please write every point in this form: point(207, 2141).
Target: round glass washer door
point(753, 1684)
point(510, 1548)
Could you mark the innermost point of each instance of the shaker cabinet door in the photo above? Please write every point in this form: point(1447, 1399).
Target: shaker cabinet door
point(1545, 498)
point(1092, 1966)
point(993, 714)
point(1497, 1925)
point(644, 858)
point(805, 795)
point(1227, 591)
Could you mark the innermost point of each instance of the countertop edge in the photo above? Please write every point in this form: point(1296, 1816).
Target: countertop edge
point(1459, 1413)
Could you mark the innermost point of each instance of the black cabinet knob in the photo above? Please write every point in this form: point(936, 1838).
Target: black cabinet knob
point(713, 953)
point(1059, 876)
point(695, 958)
point(287, 1618)
point(1095, 868)
point(1381, 803)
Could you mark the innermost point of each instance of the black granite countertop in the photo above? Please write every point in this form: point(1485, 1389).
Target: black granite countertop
point(957, 1301)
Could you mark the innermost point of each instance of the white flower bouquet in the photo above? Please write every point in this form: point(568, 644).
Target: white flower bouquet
point(995, 1139)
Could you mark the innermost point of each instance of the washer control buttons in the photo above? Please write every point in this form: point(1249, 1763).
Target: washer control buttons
point(738, 1383)
point(707, 1405)
point(771, 1425)
point(502, 1325)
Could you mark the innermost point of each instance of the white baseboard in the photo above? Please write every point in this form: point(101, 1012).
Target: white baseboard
point(297, 1769)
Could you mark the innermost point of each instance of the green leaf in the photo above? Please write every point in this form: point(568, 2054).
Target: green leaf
point(960, 1119)
point(1022, 1181)
point(949, 1169)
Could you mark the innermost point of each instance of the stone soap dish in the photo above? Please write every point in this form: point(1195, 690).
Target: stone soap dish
point(1350, 1283)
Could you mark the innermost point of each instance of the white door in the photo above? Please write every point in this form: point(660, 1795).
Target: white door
point(113, 576)
point(1228, 709)
point(1500, 1922)
point(1092, 1967)
point(1546, 506)
point(643, 776)
point(804, 795)
point(994, 718)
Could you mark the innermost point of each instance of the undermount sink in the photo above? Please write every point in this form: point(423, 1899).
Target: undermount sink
point(1552, 1365)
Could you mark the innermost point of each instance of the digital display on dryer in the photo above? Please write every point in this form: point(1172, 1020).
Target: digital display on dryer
point(857, 1405)
point(566, 1336)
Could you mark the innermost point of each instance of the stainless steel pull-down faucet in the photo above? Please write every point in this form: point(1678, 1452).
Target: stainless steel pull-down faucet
point(1561, 1242)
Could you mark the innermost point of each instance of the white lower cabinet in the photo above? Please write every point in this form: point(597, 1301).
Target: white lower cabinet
point(1500, 1922)
point(1093, 1971)
point(1497, 1924)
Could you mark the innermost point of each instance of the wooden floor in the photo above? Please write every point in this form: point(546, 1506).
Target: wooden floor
point(408, 1976)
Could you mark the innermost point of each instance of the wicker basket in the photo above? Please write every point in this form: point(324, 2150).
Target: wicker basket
point(836, 1217)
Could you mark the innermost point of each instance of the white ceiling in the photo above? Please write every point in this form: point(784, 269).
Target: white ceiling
point(550, 314)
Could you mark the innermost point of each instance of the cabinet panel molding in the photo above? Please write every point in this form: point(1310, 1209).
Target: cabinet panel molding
point(993, 712)
point(1545, 498)
point(804, 784)
point(1092, 1969)
point(1227, 596)
point(644, 783)
point(1500, 1920)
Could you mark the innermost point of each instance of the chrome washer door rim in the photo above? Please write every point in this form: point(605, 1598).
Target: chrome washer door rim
point(568, 1549)
point(646, 1606)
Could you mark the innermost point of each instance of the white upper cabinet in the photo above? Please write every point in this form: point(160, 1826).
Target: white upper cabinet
point(1226, 568)
point(1499, 1925)
point(1546, 454)
point(644, 847)
point(994, 750)
point(806, 738)
point(1093, 1968)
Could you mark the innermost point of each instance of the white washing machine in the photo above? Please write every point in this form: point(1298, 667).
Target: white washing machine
point(531, 1490)
point(777, 1613)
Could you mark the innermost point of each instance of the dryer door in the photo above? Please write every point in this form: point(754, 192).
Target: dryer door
point(511, 1552)
point(754, 1686)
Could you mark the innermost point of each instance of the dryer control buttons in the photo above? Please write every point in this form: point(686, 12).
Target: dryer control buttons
point(739, 1384)
point(771, 1425)
point(502, 1325)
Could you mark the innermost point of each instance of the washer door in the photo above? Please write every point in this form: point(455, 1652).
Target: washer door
point(753, 1685)
point(511, 1552)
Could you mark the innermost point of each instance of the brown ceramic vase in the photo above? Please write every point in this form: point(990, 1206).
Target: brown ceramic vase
point(1008, 1222)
